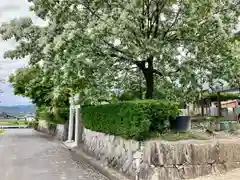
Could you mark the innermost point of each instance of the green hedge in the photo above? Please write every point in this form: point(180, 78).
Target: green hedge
point(130, 120)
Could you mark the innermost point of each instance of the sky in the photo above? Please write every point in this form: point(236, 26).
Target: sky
point(11, 9)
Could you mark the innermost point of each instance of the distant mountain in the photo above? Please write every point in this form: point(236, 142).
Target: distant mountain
point(19, 109)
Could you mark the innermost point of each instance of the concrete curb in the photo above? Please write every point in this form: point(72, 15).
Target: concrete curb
point(79, 154)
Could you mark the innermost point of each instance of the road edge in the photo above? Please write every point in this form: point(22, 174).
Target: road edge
point(110, 173)
point(79, 153)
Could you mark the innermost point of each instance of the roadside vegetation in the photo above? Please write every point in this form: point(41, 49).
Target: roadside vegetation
point(12, 122)
point(1, 131)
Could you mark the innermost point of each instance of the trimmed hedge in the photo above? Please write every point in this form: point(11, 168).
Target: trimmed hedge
point(130, 120)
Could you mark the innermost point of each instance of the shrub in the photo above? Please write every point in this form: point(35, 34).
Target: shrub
point(45, 113)
point(15, 123)
point(61, 115)
point(34, 124)
point(53, 115)
point(51, 126)
point(30, 124)
point(130, 120)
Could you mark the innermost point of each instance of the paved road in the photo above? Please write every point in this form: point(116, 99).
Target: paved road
point(25, 155)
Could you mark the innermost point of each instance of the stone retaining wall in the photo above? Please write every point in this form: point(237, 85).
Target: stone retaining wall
point(42, 126)
point(60, 133)
point(161, 160)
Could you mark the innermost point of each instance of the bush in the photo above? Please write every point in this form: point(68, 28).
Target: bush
point(61, 115)
point(54, 115)
point(130, 120)
point(51, 126)
point(34, 124)
point(15, 123)
point(30, 124)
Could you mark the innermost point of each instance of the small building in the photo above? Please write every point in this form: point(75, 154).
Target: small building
point(230, 104)
point(21, 119)
point(30, 117)
point(4, 115)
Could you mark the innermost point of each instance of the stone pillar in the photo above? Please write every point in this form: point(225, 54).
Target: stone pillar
point(70, 126)
point(76, 125)
point(80, 126)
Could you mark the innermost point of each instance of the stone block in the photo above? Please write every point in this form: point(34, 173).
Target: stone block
point(193, 171)
point(126, 165)
point(185, 172)
point(131, 145)
point(146, 172)
point(231, 165)
point(218, 168)
point(201, 170)
point(204, 153)
point(121, 161)
point(173, 153)
point(229, 151)
point(166, 174)
point(150, 155)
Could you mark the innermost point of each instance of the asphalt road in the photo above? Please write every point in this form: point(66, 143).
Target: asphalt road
point(26, 155)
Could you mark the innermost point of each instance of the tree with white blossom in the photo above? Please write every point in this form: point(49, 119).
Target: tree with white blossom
point(94, 44)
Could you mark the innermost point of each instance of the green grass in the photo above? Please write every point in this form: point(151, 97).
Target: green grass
point(12, 122)
point(1, 131)
point(172, 136)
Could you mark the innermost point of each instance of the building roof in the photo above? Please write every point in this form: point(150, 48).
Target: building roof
point(237, 33)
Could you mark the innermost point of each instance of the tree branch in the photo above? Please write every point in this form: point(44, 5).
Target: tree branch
point(156, 13)
point(155, 71)
point(118, 50)
point(175, 20)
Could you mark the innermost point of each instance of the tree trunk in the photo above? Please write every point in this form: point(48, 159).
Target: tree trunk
point(149, 84)
point(140, 86)
point(202, 107)
point(149, 78)
point(148, 73)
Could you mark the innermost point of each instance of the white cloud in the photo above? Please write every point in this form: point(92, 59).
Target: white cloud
point(11, 9)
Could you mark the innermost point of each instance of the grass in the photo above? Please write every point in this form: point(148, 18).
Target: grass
point(1, 131)
point(12, 122)
point(172, 136)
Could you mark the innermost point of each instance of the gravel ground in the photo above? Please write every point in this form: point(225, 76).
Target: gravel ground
point(25, 155)
point(231, 175)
